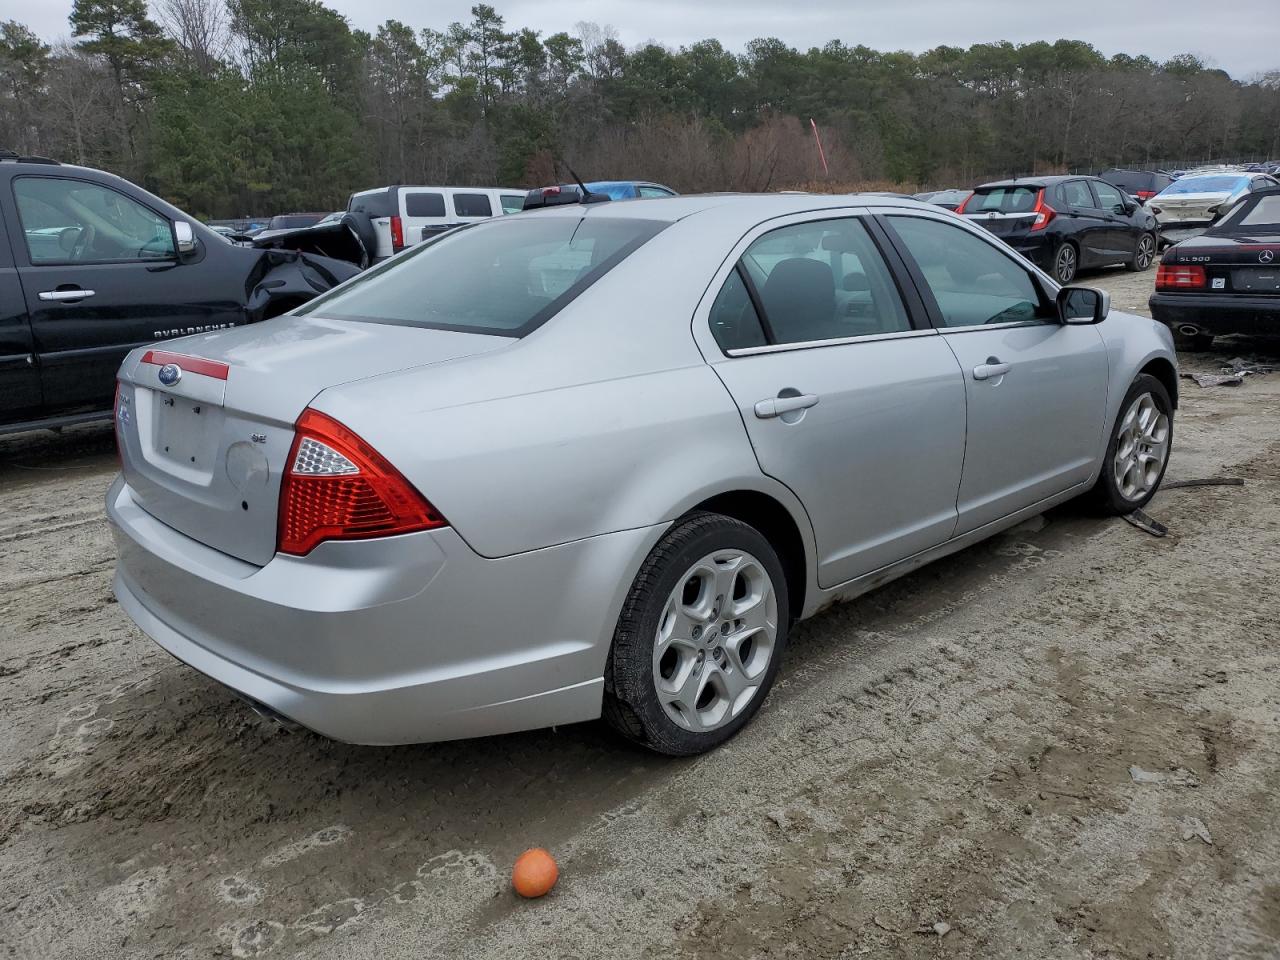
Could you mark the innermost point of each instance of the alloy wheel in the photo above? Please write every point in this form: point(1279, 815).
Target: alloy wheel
point(1064, 266)
point(1146, 251)
point(715, 640)
point(1142, 447)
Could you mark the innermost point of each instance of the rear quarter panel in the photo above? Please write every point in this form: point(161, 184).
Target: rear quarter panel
point(605, 418)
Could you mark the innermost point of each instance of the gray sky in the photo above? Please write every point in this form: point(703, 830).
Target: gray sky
point(1242, 38)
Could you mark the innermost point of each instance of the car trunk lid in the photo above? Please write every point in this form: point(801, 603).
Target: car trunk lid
point(1244, 265)
point(206, 424)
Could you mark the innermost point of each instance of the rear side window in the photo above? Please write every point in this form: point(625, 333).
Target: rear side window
point(1076, 193)
point(424, 205)
point(1265, 211)
point(972, 282)
point(504, 277)
point(646, 191)
point(472, 205)
point(512, 202)
point(1003, 200)
point(817, 281)
point(734, 321)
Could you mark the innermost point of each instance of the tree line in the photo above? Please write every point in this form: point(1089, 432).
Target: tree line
point(229, 107)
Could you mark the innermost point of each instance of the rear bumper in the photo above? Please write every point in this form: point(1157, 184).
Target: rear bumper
point(405, 639)
point(1037, 248)
point(1217, 315)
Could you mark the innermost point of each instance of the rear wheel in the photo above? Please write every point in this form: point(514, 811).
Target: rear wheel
point(1143, 254)
point(1065, 262)
point(700, 637)
point(1138, 451)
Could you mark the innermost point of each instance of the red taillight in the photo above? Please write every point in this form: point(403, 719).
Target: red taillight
point(1044, 213)
point(550, 191)
point(1144, 194)
point(337, 487)
point(1178, 277)
point(964, 203)
point(397, 234)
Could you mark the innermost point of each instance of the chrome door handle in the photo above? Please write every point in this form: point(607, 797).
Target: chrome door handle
point(65, 294)
point(777, 406)
point(992, 368)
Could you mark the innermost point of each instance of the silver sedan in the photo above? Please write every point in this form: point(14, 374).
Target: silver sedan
point(600, 459)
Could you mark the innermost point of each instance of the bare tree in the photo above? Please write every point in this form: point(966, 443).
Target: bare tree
point(79, 96)
point(200, 28)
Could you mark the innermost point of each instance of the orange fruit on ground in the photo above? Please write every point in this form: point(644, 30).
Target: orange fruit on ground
point(535, 873)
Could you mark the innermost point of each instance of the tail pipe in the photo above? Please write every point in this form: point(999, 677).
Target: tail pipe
point(1188, 329)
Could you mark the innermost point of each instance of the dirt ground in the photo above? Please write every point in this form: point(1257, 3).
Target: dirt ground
point(1062, 743)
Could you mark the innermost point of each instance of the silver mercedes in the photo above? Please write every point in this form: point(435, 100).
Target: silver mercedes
point(599, 459)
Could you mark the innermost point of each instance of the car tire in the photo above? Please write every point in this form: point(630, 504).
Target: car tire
point(1144, 254)
point(682, 677)
point(1123, 483)
point(1066, 262)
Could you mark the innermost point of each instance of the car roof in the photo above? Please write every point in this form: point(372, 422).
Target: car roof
point(1034, 181)
point(749, 207)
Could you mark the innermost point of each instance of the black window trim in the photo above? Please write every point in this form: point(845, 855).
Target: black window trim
point(911, 302)
point(35, 264)
point(925, 292)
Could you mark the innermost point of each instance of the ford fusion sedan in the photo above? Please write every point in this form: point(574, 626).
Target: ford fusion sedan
point(1227, 280)
point(600, 459)
point(1062, 224)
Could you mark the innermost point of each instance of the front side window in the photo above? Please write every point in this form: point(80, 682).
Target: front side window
point(1109, 197)
point(76, 221)
point(973, 282)
point(504, 277)
point(823, 280)
point(472, 205)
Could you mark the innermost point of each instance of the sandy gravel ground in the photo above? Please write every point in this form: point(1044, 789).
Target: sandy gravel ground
point(1062, 743)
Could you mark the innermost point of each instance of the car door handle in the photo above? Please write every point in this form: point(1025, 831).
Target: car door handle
point(992, 368)
point(65, 294)
point(777, 406)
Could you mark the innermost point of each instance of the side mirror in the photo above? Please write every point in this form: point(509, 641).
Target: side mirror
point(1083, 305)
point(184, 238)
point(1127, 207)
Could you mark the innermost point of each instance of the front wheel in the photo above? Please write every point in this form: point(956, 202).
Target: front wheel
point(1064, 264)
point(1143, 254)
point(1138, 451)
point(700, 637)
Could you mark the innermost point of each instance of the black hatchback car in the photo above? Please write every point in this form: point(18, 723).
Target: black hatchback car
point(1227, 279)
point(92, 266)
point(1064, 223)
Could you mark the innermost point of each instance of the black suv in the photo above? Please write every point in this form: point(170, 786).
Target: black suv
point(1140, 184)
point(1064, 223)
point(92, 266)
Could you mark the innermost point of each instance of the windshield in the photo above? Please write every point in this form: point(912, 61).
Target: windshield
point(1225, 184)
point(1003, 200)
point(504, 277)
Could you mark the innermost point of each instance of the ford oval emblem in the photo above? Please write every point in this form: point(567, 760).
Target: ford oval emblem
point(170, 374)
point(1266, 256)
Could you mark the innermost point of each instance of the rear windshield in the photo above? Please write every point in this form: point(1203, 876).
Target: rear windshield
point(1247, 217)
point(1206, 185)
point(1003, 200)
point(1131, 181)
point(504, 277)
point(292, 222)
